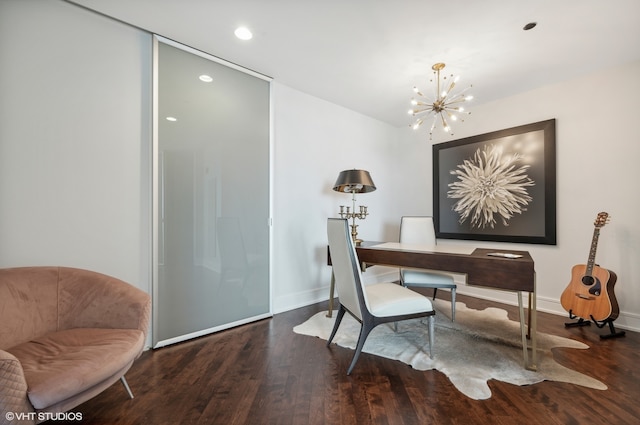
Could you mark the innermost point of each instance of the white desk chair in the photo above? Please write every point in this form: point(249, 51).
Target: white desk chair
point(370, 305)
point(420, 230)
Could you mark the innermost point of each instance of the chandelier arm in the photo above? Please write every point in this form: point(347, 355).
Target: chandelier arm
point(459, 97)
point(444, 122)
point(457, 100)
point(450, 89)
point(463, 91)
point(433, 126)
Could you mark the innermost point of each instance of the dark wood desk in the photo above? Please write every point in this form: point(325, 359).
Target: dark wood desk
point(509, 274)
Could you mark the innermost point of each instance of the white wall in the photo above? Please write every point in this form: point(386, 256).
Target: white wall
point(314, 141)
point(597, 170)
point(74, 158)
point(74, 140)
point(75, 143)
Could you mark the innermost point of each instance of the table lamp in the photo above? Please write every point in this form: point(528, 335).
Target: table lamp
point(354, 181)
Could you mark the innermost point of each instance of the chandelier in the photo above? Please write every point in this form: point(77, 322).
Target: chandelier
point(445, 106)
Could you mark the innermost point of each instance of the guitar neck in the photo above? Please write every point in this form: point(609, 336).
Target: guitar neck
point(592, 251)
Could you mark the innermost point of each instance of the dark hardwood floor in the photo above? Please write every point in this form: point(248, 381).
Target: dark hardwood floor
point(264, 373)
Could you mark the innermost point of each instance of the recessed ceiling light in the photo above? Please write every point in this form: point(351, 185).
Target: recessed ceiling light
point(530, 26)
point(206, 78)
point(243, 33)
point(172, 119)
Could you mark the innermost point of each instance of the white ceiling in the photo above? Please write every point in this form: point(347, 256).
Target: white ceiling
point(367, 55)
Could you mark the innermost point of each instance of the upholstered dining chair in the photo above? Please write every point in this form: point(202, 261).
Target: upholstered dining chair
point(419, 230)
point(370, 305)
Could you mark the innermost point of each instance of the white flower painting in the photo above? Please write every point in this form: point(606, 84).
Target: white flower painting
point(490, 186)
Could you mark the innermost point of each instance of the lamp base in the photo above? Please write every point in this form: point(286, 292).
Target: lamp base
point(354, 233)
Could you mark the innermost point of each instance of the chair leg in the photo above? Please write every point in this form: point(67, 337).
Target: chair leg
point(453, 304)
point(364, 332)
point(431, 322)
point(339, 317)
point(435, 291)
point(126, 385)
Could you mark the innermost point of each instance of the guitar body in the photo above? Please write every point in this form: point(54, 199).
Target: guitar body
point(591, 296)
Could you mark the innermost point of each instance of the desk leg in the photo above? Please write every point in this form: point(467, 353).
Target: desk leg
point(532, 331)
point(529, 318)
point(525, 347)
point(331, 292)
point(533, 325)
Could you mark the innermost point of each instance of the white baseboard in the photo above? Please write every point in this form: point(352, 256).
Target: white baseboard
point(300, 299)
point(627, 321)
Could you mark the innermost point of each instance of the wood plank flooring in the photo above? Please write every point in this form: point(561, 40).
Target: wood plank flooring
point(264, 373)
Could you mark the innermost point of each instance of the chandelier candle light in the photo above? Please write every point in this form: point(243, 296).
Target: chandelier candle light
point(354, 181)
point(445, 106)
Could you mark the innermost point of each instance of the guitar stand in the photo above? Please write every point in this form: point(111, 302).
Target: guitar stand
point(613, 333)
point(581, 322)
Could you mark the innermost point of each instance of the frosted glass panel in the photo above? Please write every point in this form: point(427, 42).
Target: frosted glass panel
point(212, 196)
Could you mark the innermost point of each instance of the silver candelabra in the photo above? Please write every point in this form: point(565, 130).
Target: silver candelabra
point(351, 214)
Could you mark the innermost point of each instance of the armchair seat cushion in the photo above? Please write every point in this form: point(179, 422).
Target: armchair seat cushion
point(62, 364)
point(390, 299)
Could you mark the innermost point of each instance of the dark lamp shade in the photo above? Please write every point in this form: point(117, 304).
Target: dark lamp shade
point(354, 181)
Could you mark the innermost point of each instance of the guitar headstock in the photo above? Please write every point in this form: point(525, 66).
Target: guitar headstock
point(602, 219)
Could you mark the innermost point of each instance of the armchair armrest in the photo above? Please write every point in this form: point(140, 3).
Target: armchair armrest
point(13, 389)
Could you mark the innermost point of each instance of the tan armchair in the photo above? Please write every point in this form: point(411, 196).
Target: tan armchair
point(65, 336)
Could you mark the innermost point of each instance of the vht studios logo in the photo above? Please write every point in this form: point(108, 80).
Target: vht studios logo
point(43, 416)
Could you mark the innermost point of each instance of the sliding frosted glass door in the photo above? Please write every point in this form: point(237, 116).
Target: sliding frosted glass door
point(211, 195)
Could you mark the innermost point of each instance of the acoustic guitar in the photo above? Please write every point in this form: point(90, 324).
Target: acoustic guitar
point(590, 293)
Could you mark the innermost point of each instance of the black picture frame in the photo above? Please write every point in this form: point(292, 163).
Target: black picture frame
point(498, 186)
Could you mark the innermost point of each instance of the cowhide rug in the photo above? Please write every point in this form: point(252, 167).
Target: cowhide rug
point(480, 345)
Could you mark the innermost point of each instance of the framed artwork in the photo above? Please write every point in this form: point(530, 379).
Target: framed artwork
point(498, 186)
